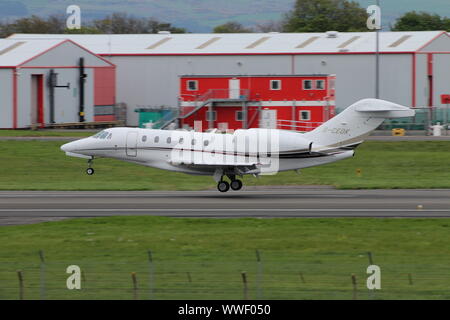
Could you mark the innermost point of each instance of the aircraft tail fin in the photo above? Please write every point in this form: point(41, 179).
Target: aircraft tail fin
point(354, 124)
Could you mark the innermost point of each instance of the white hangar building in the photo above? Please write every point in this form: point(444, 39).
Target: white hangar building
point(40, 83)
point(414, 66)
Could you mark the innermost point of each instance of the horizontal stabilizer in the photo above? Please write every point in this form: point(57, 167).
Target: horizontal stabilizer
point(383, 109)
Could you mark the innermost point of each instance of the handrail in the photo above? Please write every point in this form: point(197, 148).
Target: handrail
point(208, 97)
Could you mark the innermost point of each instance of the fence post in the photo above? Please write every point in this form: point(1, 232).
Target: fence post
point(135, 288)
point(151, 274)
point(42, 274)
point(354, 286)
point(302, 278)
point(244, 281)
point(259, 278)
point(21, 293)
point(369, 254)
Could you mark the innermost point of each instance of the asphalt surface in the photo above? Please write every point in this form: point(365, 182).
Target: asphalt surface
point(24, 207)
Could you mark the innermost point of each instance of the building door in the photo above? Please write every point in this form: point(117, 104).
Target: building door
point(37, 100)
point(234, 86)
point(268, 119)
point(131, 147)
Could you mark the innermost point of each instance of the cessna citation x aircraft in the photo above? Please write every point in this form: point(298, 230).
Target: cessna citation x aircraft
point(250, 151)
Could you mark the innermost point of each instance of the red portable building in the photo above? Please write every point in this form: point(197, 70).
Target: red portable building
point(291, 102)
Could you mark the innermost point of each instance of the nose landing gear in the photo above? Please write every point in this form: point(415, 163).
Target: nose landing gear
point(90, 171)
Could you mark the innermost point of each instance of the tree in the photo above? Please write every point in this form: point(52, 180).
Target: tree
point(34, 24)
point(421, 21)
point(115, 23)
point(231, 27)
point(121, 23)
point(83, 30)
point(269, 26)
point(325, 15)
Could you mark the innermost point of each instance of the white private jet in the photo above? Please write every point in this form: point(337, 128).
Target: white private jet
point(251, 151)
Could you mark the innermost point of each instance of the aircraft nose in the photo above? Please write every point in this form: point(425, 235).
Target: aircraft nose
point(68, 147)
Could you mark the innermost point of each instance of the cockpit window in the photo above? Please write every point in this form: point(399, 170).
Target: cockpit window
point(102, 135)
point(97, 134)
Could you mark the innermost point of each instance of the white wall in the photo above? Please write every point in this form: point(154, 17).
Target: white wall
point(154, 80)
point(6, 98)
point(66, 100)
point(441, 70)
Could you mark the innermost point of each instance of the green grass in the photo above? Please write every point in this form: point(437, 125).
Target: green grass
point(40, 165)
point(44, 133)
point(215, 251)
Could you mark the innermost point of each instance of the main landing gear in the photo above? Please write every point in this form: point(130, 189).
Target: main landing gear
point(224, 186)
point(90, 171)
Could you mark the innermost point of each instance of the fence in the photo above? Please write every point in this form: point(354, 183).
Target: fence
point(424, 118)
point(262, 276)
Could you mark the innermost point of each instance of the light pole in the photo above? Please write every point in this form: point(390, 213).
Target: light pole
point(377, 55)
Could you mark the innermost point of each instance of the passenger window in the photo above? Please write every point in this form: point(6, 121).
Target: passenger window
point(144, 138)
point(193, 141)
point(169, 140)
point(205, 143)
point(109, 136)
point(156, 139)
point(181, 140)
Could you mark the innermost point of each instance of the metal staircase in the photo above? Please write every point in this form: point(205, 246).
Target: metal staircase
point(210, 97)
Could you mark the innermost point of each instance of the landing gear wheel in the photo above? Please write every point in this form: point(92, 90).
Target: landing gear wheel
point(223, 186)
point(90, 171)
point(236, 185)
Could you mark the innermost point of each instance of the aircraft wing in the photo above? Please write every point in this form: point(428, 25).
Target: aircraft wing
point(238, 167)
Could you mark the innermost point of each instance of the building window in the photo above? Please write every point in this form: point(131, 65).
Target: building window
point(320, 84)
point(156, 139)
point(332, 84)
point(305, 115)
point(275, 84)
point(307, 85)
point(192, 85)
point(239, 116)
point(211, 115)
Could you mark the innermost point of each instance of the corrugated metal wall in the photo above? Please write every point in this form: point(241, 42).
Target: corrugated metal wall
point(6, 98)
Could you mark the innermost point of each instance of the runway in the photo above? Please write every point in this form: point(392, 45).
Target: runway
point(24, 207)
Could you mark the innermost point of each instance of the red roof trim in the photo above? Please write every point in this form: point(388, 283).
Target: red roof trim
point(426, 44)
point(62, 67)
point(94, 54)
point(247, 53)
point(43, 52)
point(61, 43)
